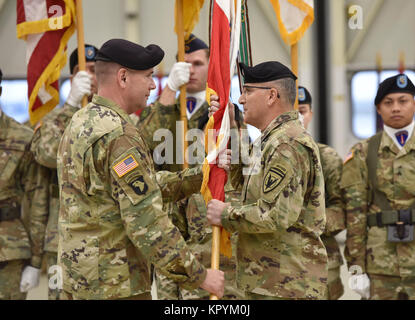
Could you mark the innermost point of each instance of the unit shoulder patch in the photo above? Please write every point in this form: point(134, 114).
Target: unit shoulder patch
point(273, 178)
point(349, 157)
point(139, 186)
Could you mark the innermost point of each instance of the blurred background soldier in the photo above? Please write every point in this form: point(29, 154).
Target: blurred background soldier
point(378, 183)
point(332, 165)
point(190, 214)
point(21, 179)
point(112, 226)
point(280, 252)
point(46, 141)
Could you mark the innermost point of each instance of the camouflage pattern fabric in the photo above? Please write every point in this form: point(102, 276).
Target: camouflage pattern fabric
point(52, 260)
point(366, 247)
point(44, 146)
point(200, 242)
point(280, 252)
point(332, 166)
point(391, 288)
point(10, 276)
point(22, 180)
point(190, 214)
point(112, 226)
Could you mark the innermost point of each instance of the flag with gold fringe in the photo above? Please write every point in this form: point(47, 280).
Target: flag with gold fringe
point(46, 25)
point(224, 47)
point(294, 18)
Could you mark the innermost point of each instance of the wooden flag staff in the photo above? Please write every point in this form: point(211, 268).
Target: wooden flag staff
point(81, 42)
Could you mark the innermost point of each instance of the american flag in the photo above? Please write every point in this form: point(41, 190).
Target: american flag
point(46, 25)
point(125, 166)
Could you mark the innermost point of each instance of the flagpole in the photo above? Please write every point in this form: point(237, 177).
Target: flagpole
point(294, 67)
point(81, 42)
point(181, 51)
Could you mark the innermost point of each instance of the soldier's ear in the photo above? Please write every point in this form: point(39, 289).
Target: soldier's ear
point(122, 77)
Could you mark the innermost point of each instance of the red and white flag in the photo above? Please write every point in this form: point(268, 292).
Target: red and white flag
point(46, 25)
point(224, 46)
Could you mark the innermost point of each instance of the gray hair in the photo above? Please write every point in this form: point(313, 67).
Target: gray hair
point(288, 90)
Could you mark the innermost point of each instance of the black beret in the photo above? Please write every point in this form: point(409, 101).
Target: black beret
point(193, 44)
point(90, 53)
point(266, 71)
point(130, 55)
point(398, 83)
point(304, 97)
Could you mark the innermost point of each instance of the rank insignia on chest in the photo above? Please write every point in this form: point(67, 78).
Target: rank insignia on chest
point(273, 178)
point(139, 186)
point(125, 166)
point(191, 104)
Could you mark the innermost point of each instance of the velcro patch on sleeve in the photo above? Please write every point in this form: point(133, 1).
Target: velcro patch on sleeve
point(273, 178)
point(349, 157)
point(124, 166)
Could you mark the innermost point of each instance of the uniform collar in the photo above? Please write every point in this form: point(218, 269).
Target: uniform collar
point(111, 105)
point(277, 122)
point(391, 133)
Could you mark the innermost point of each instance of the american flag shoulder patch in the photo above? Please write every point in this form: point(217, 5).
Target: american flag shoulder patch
point(349, 157)
point(125, 166)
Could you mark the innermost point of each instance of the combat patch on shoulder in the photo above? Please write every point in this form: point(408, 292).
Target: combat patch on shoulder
point(273, 178)
point(124, 166)
point(349, 157)
point(139, 186)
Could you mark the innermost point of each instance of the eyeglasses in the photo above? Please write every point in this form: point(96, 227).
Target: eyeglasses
point(257, 87)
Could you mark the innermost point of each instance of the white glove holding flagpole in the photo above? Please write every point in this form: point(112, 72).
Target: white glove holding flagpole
point(360, 284)
point(30, 279)
point(179, 75)
point(81, 86)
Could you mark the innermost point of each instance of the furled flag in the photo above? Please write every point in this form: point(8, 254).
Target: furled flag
point(191, 9)
point(46, 25)
point(294, 18)
point(224, 46)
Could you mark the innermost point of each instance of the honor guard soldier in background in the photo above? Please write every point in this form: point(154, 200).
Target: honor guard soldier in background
point(112, 226)
point(190, 214)
point(280, 252)
point(21, 233)
point(332, 165)
point(46, 141)
point(379, 190)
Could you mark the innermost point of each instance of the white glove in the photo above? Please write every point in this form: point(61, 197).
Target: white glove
point(81, 86)
point(179, 75)
point(30, 279)
point(360, 284)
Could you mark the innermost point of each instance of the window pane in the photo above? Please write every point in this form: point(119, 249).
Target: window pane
point(14, 101)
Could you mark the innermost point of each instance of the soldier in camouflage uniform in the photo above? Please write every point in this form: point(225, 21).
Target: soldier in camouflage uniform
point(190, 214)
point(332, 166)
point(21, 241)
point(111, 223)
point(46, 141)
point(379, 190)
point(280, 252)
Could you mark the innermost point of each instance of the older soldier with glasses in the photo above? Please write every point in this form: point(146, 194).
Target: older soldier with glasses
point(281, 219)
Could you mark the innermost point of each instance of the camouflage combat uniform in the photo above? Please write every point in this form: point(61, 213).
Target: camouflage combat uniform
point(22, 181)
point(190, 214)
point(44, 146)
point(112, 226)
point(332, 164)
point(280, 252)
point(390, 266)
